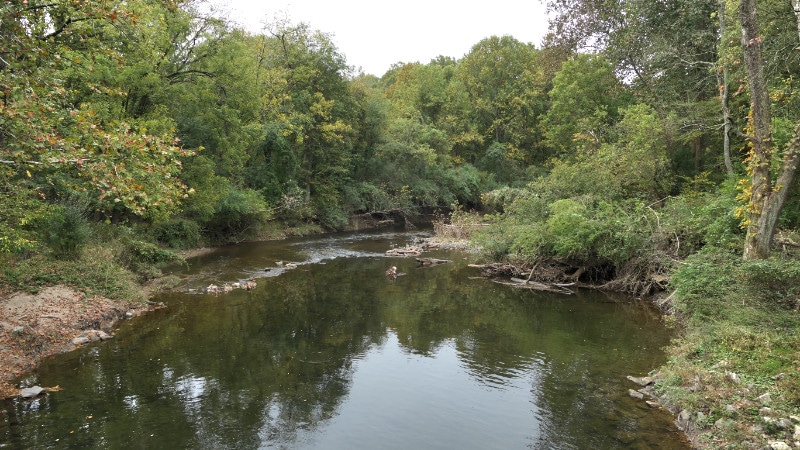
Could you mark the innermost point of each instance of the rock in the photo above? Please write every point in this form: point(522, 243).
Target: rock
point(642, 381)
point(109, 323)
point(733, 377)
point(105, 336)
point(730, 408)
point(93, 335)
point(765, 412)
point(16, 331)
point(783, 424)
point(764, 398)
point(780, 445)
point(795, 419)
point(80, 340)
point(682, 421)
point(796, 435)
point(652, 404)
point(635, 394)
point(31, 392)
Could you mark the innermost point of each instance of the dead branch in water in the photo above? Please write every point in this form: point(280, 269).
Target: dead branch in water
point(558, 288)
point(431, 261)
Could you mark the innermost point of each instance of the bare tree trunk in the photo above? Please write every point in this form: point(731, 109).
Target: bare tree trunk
point(766, 199)
point(724, 94)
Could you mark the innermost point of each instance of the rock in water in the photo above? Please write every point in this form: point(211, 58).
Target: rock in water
point(31, 392)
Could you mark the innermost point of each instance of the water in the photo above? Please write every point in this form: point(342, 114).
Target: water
point(333, 355)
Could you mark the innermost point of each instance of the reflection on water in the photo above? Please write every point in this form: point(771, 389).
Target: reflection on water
point(334, 355)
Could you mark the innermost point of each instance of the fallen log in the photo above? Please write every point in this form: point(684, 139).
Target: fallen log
point(432, 261)
point(535, 285)
point(498, 269)
point(406, 251)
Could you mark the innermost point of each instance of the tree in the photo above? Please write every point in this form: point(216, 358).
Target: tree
point(506, 93)
point(52, 134)
point(770, 180)
point(586, 100)
point(666, 51)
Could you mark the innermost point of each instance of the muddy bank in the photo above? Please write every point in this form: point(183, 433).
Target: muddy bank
point(55, 320)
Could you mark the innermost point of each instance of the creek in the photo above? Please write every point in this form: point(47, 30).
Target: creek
point(334, 355)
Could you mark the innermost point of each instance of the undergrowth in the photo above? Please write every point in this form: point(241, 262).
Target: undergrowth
point(741, 341)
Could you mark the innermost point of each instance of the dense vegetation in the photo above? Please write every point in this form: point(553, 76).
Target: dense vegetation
point(645, 145)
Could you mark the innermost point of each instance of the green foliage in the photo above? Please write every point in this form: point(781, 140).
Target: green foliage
point(586, 101)
point(51, 124)
point(506, 93)
point(699, 219)
point(144, 258)
point(178, 233)
point(66, 230)
point(579, 229)
point(21, 210)
point(774, 279)
point(96, 271)
point(504, 169)
point(238, 211)
point(464, 182)
point(705, 283)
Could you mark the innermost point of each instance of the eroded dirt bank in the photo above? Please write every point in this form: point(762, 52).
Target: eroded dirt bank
point(57, 319)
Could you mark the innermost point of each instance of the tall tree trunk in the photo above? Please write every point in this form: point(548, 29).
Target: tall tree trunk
point(724, 94)
point(766, 199)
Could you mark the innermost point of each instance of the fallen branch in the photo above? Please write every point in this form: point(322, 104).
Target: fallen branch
point(432, 261)
point(535, 285)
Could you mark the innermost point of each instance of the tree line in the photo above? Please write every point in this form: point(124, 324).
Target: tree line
point(162, 114)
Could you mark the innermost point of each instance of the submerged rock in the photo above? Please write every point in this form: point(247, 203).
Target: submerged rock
point(635, 394)
point(31, 392)
point(642, 381)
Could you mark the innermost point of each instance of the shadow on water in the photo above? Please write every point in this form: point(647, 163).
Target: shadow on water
point(332, 354)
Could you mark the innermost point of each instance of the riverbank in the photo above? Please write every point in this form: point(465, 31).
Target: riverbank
point(54, 320)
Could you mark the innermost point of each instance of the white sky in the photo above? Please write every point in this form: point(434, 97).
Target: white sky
point(374, 35)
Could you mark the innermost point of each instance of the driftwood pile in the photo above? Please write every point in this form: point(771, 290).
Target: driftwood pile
point(559, 288)
point(514, 276)
point(413, 250)
point(498, 270)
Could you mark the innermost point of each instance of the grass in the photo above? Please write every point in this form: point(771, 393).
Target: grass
point(737, 319)
point(97, 271)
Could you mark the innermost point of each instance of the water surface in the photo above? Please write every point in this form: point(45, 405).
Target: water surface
point(333, 355)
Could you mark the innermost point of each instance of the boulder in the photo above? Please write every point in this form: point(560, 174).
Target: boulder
point(31, 392)
point(642, 381)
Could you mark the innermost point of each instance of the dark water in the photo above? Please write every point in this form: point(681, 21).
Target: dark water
point(332, 355)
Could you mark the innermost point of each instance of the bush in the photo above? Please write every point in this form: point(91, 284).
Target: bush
point(179, 233)
point(697, 219)
point(145, 259)
point(237, 212)
point(464, 182)
point(66, 230)
point(774, 279)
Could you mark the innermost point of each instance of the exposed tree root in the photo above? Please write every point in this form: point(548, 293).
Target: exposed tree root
point(638, 276)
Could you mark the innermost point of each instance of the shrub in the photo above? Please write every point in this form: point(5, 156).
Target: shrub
point(145, 259)
point(66, 230)
point(237, 212)
point(179, 233)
